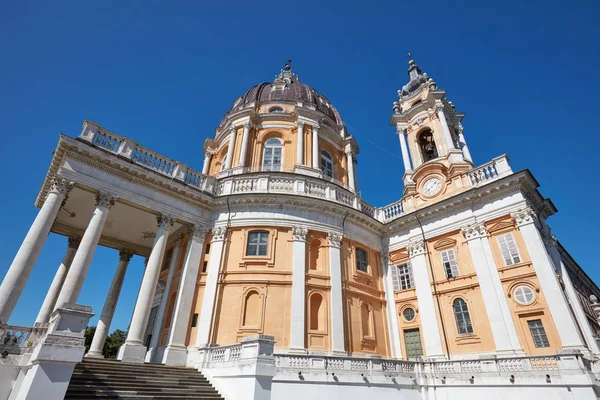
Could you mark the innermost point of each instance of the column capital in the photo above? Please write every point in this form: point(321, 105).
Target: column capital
point(125, 255)
point(73, 242)
point(334, 239)
point(459, 129)
point(178, 239)
point(439, 107)
point(299, 233)
point(198, 232)
point(164, 222)
point(315, 127)
point(524, 216)
point(106, 200)
point(61, 186)
point(247, 125)
point(474, 231)
point(219, 233)
point(548, 237)
point(416, 248)
point(401, 129)
point(300, 124)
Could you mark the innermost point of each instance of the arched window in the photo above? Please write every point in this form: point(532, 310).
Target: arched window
point(272, 155)
point(252, 310)
point(258, 243)
point(365, 317)
point(224, 162)
point(463, 320)
point(427, 144)
point(316, 312)
point(327, 164)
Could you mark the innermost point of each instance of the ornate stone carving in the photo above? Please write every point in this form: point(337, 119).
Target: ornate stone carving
point(548, 237)
point(106, 200)
point(439, 108)
point(474, 231)
point(125, 255)
point(300, 124)
point(459, 129)
point(416, 248)
point(61, 186)
point(524, 216)
point(334, 239)
point(73, 242)
point(198, 232)
point(409, 128)
point(299, 233)
point(219, 233)
point(164, 222)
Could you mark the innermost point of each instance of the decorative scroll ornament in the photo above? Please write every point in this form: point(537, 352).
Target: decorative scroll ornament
point(198, 232)
point(524, 216)
point(73, 242)
point(106, 200)
point(416, 248)
point(334, 239)
point(299, 233)
point(164, 222)
point(219, 232)
point(125, 255)
point(474, 231)
point(61, 186)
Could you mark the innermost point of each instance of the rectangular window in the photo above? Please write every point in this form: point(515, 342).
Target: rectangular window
point(450, 264)
point(538, 333)
point(207, 248)
point(204, 266)
point(258, 243)
point(361, 260)
point(402, 276)
point(509, 250)
point(194, 320)
point(168, 259)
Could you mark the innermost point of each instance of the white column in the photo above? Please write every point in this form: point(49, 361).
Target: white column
point(83, 257)
point(560, 267)
point(445, 129)
point(160, 314)
point(463, 143)
point(315, 147)
point(206, 165)
point(427, 309)
point(133, 350)
point(23, 263)
point(228, 162)
point(244, 149)
point(557, 303)
point(57, 283)
point(392, 314)
point(210, 290)
point(109, 306)
point(337, 307)
point(492, 291)
point(350, 162)
point(404, 149)
point(300, 146)
point(176, 353)
point(298, 289)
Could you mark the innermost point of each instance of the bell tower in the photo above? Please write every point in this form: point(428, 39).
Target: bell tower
point(430, 133)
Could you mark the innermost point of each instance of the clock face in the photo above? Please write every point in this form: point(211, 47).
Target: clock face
point(432, 186)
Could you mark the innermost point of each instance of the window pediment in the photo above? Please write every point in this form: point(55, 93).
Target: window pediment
point(444, 244)
point(500, 226)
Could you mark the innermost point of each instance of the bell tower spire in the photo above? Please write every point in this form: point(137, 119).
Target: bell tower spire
point(429, 129)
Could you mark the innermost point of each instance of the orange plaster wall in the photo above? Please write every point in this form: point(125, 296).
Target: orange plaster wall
point(364, 288)
point(318, 281)
point(522, 274)
point(262, 135)
point(340, 170)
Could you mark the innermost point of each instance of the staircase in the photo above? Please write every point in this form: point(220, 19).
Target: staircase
point(101, 379)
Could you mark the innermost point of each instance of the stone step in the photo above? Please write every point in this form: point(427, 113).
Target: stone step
point(127, 386)
point(143, 391)
point(116, 363)
point(125, 396)
point(141, 377)
point(109, 372)
point(144, 367)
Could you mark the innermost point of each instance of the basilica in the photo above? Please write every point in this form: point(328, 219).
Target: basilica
point(270, 277)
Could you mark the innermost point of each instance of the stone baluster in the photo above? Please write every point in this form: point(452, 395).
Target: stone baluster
point(22, 265)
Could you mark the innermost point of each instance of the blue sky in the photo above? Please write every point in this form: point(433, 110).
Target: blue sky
point(165, 73)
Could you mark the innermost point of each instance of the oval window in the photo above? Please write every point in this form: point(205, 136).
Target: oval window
point(524, 295)
point(408, 314)
point(275, 110)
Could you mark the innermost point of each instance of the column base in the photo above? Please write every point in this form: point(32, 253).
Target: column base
point(94, 354)
point(510, 353)
point(132, 352)
point(175, 356)
point(297, 350)
point(341, 353)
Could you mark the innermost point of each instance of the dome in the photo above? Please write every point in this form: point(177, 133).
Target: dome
point(286, 88)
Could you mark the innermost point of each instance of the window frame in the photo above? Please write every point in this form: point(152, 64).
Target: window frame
point(521, 289)
point(167, 260)
point(539, 334)
point(260, 234)
point(462, 317)
point(402, 276)
point(272, 148)
point(513, 258)
point(326, 157)
point(224, 162)
point(360, 262)
point(451, 270)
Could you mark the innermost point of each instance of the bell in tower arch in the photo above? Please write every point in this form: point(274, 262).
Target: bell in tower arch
point(428, 148)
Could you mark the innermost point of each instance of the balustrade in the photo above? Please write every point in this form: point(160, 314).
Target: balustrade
point(19, 339)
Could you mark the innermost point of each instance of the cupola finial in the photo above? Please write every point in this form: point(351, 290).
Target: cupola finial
point(286, 76)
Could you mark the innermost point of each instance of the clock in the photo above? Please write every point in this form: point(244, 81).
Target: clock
point(432, 186)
